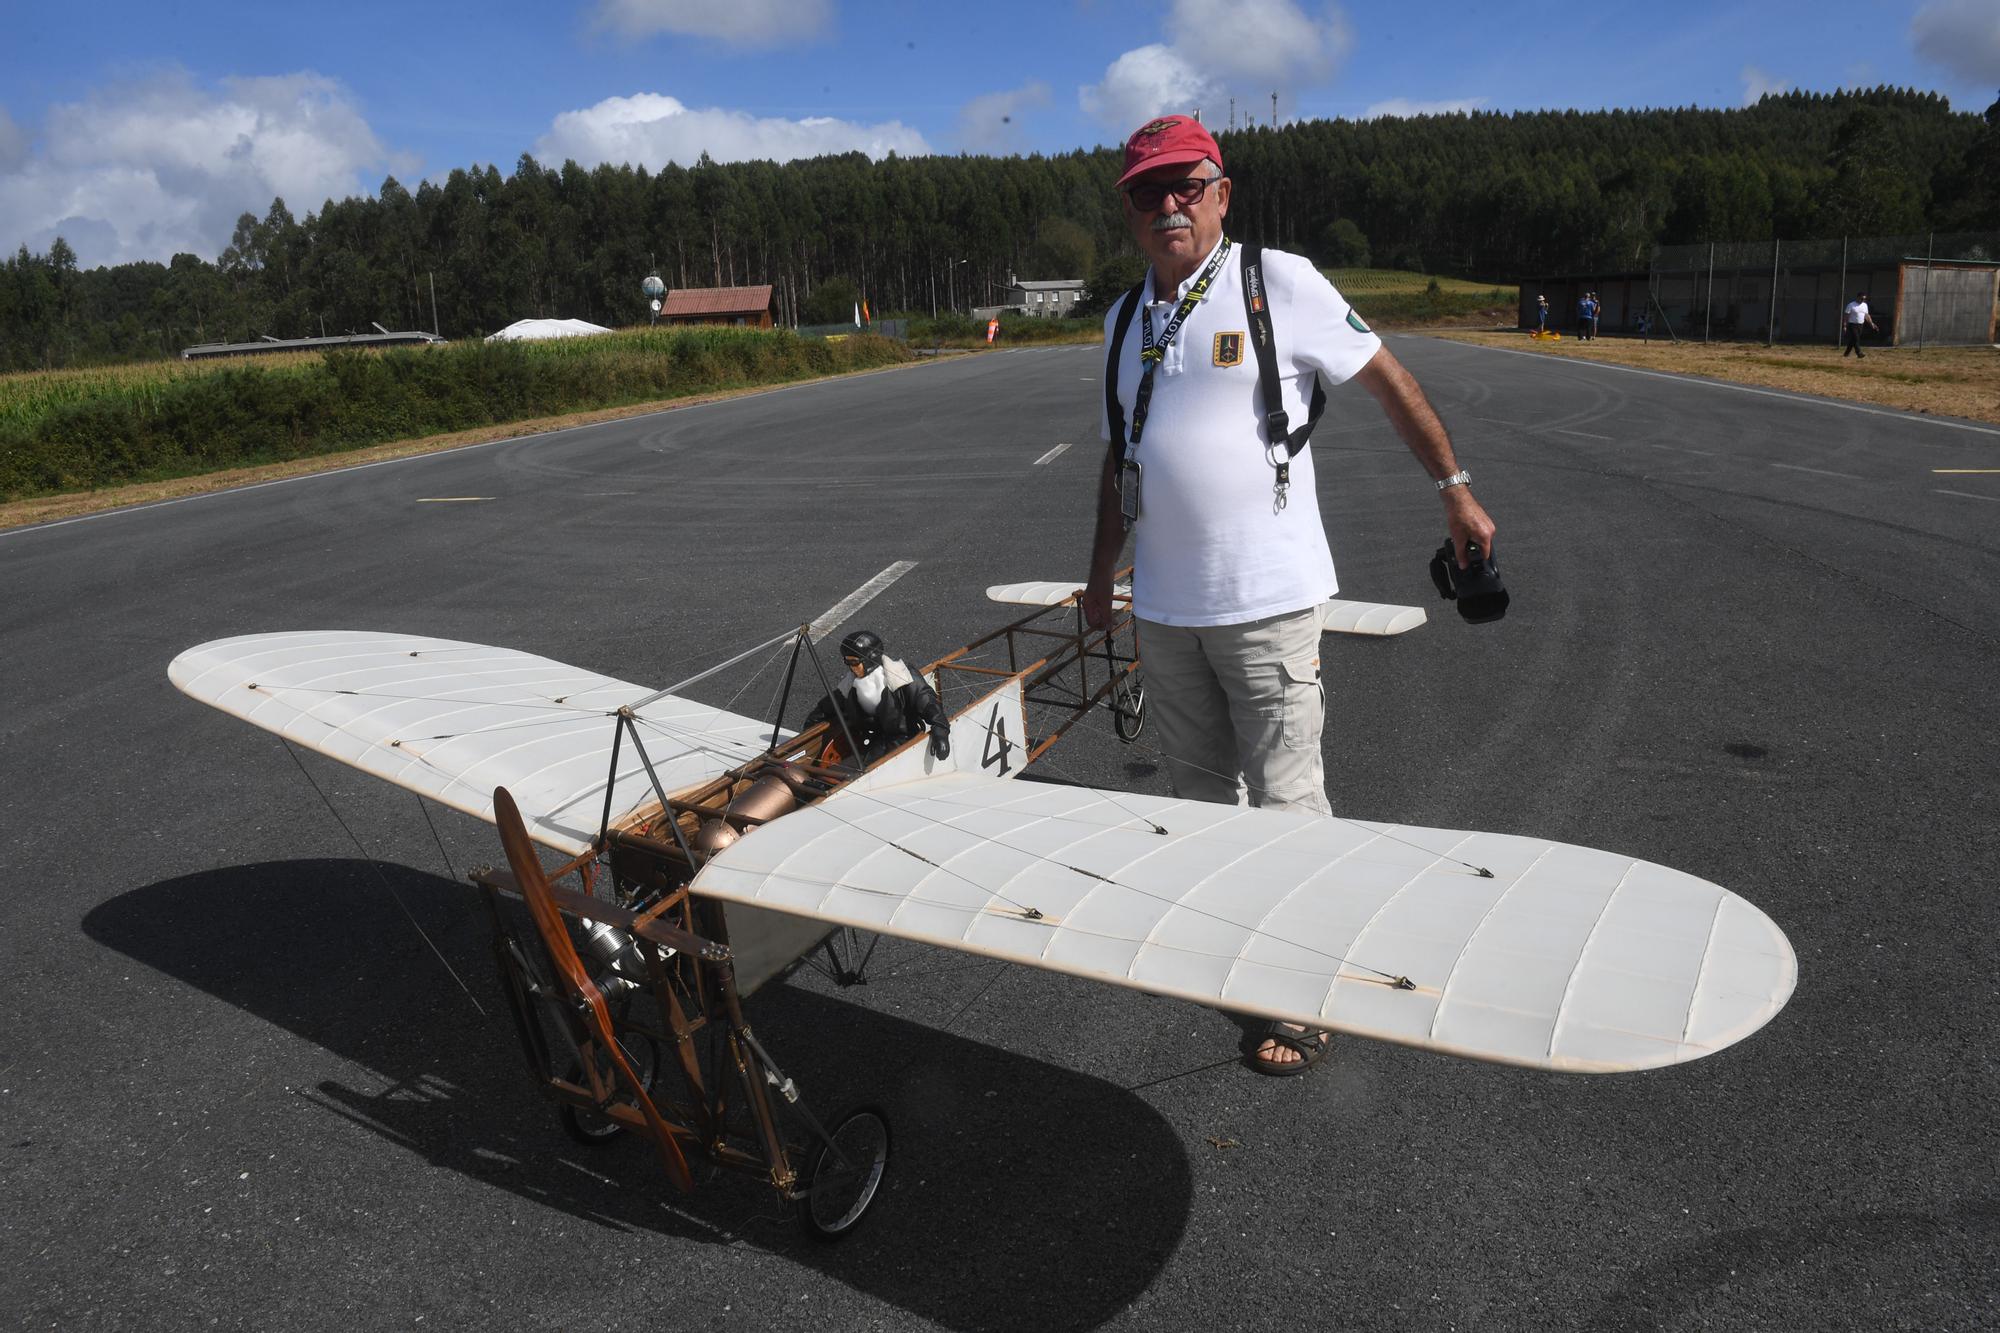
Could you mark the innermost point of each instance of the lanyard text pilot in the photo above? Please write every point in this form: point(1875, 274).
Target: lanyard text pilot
point(1151, 354)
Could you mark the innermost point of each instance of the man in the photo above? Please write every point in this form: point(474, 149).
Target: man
point(1586, 317)
point(1231, 568)
point(1856, 315)
point(1542, 314)
point(880, 701)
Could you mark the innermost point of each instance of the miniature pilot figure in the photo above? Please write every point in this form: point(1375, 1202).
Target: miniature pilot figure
point(882, 703)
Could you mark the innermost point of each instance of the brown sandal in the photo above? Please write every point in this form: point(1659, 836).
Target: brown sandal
point(1311, 1046)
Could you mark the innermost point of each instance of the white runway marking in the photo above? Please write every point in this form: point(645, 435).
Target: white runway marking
point(1968, 495)
point(1745, 388)
point(1584, 433)
point(1675, 448)
point(832, 617)
point(451, 499)
point(1053, 453)
point(1820, 471)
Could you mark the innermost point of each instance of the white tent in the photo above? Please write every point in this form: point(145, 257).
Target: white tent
point(529, 330)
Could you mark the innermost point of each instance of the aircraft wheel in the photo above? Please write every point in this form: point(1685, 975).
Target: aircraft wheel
point(592, 1127)
point(1128, 709)
point(844, 1173)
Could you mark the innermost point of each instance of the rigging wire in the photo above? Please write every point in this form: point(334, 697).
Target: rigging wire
point(376, 864)
point(424, 806)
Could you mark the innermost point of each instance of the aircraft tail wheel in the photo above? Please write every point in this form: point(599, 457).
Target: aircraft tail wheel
point(844, 1174)
point(1128, 709)
point(593, 1128)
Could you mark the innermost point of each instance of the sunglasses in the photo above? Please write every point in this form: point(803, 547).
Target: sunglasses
point(1150, 195)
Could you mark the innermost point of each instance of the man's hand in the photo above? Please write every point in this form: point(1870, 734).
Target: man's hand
point(1097, 602)
point(940, 740)
point(1466, 520)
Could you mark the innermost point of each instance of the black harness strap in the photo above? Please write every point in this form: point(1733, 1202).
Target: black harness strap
point(1263, 341)
point(1114, 411)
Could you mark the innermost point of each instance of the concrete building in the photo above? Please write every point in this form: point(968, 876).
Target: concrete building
point(1050, 300)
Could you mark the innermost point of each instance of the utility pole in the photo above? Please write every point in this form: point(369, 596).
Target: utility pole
point(1771, 325)
point(1930, 249)
point(436, 332)
point(1274, 109)
point(1232, 114)
point(1708, 302)
point(1840, 295)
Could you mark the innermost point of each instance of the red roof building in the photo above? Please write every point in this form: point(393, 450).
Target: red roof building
point(748, 307)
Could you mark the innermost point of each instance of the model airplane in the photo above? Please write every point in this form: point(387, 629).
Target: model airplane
point(713, 849)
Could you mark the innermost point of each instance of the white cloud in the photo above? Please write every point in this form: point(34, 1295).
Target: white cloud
point(655, 129)
point(1263, 44)
point(148, 169)
point(1756, 83)
point(989, 123)
point(738, 22)
point(1144, 83)
point(1404, 107)
point(1962, 36)
point(1216, 48)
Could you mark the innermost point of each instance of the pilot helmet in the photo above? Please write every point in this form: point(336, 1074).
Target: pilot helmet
point(863, 646)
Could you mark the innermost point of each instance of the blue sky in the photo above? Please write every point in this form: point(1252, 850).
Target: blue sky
point(136, 130)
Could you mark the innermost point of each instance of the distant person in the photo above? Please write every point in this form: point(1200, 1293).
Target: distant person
point(1596, 313)
point(1644, 324)
point(1542, 314)
point(1586, 317)
point(1856, 315)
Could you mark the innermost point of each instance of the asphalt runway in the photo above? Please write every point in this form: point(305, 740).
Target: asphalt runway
point(1753, 636)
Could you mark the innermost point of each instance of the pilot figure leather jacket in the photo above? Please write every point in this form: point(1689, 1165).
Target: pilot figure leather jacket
point(907, 706)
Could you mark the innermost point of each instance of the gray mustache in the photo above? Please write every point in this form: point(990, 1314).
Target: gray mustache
point(1172, 222)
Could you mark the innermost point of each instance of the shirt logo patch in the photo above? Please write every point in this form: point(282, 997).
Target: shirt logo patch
point(1354, 322)
point(1229, 349)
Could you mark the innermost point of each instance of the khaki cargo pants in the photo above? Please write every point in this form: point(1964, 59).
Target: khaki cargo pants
point(1239, 710)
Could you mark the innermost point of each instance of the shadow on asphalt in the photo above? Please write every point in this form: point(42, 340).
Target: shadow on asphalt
point(1020, 1194)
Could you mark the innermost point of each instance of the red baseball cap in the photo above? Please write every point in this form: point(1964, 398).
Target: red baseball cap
point(1170, 141)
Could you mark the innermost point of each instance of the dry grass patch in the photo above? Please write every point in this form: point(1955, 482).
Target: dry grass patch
point(1938, 381)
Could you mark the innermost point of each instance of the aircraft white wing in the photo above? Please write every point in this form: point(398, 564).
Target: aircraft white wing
point(1337, 616)
point(452, 721)
point(1567, 958)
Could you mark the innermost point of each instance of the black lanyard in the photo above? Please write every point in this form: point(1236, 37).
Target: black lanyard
point(1151, 353)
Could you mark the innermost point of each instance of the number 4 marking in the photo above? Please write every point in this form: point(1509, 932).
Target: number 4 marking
point(997, 744)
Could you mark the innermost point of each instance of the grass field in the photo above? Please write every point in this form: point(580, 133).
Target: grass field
point(1947, 381)
point(1394, 298)
point(90, 430)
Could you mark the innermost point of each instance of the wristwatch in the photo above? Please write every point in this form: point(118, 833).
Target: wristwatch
point(1460, 478)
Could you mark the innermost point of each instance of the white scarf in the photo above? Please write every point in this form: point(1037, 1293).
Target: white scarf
point(869, 689)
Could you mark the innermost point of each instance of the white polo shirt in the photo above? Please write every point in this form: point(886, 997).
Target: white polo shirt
point(1211, 549)
point(1857, 312)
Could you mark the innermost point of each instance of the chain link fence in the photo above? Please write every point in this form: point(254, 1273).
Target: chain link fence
point(1923, 289)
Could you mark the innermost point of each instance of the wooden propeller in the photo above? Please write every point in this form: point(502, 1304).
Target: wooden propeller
point(574, 978)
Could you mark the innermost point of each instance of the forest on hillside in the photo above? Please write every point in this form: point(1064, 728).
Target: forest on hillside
point(1489, 196)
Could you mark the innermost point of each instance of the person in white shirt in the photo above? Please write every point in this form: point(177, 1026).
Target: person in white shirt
point(1230, 568)
point(1856, 315)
